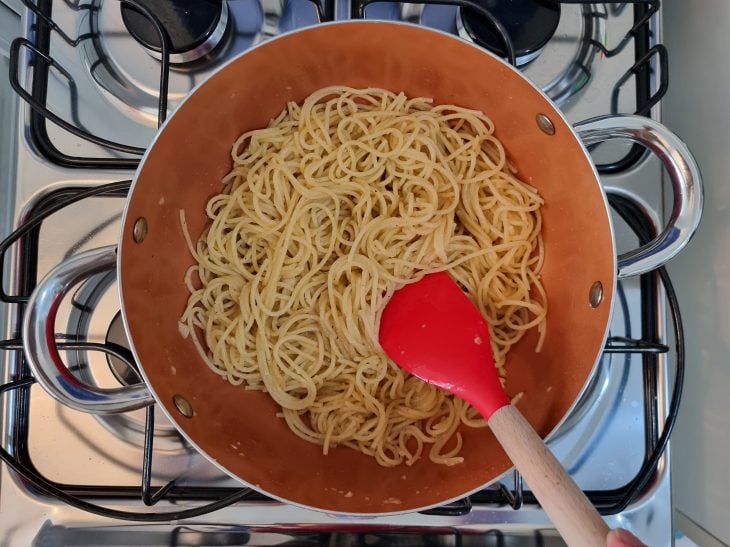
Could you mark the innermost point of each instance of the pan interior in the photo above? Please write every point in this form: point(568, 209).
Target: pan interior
point(238, 429)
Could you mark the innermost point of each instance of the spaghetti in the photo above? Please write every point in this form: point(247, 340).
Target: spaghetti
point(327, 211)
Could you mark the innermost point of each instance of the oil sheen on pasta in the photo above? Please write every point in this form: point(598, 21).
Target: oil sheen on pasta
point(328, 210)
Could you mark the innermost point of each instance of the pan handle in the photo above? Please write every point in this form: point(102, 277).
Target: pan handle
point(684, 175)
point(40, 346)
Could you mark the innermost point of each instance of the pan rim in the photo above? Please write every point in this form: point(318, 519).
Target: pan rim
point(125, 220)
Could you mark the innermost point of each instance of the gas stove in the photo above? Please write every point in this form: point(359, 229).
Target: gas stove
point(90, 76)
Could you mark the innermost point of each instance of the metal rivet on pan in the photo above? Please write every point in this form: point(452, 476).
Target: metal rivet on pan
point(183, 406)
point(545, 124)
point(595, 295)
point(139, 232)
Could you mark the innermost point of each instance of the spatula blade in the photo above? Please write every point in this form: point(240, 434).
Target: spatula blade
point(431, 329)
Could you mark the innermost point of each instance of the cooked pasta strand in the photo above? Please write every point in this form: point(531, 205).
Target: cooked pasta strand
point(327, 211)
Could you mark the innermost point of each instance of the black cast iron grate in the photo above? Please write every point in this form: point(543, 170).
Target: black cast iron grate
point(648, 58)
point(18, 457)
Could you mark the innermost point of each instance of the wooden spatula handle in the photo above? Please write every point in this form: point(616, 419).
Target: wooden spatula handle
point(573, 515)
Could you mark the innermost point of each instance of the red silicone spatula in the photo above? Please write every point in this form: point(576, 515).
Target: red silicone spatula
point(431, 329)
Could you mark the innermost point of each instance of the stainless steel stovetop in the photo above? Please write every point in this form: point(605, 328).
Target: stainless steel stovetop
point(108, 84)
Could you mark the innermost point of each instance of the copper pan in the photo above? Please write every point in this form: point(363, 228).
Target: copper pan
point(238, 429)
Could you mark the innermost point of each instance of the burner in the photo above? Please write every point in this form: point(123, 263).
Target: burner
point(96, 303)
point(130, 79)
point(563, 66)
point(529, 23)
point(125, 373)
point(195, 27)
